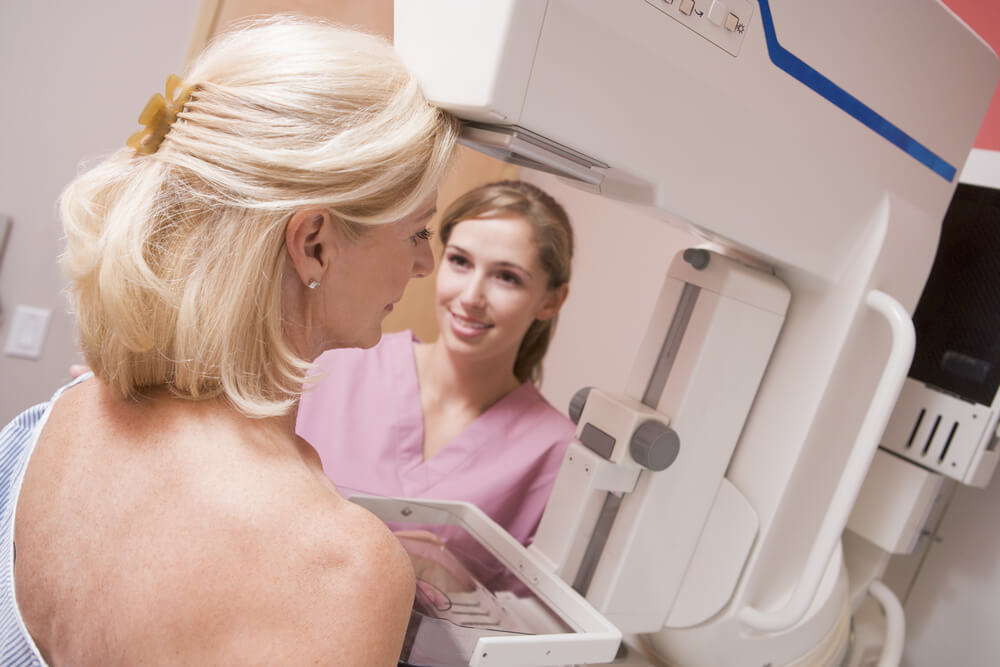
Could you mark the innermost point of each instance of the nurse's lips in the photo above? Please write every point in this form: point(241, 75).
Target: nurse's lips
point(469, 322)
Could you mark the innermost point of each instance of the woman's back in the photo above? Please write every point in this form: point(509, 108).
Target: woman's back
point(180, 531)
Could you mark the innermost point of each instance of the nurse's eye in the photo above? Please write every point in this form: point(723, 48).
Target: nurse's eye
point(425, 234)
point(510, 278)
point(458, 261)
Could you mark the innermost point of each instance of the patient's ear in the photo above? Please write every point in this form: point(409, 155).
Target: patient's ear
point(312, 243)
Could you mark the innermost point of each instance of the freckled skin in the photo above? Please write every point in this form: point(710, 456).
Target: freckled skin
point(204, 540)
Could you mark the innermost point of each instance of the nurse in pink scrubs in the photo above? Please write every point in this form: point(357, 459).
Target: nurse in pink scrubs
point(460, 418)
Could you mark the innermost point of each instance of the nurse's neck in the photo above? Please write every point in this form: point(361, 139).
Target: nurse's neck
point(477, 383)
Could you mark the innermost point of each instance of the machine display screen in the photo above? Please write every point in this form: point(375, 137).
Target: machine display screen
point(957, 320)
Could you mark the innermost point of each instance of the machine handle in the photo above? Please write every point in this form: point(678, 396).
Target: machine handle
point(883, 402)
point(895, 624)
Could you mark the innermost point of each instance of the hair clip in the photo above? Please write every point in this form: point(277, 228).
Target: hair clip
point(158, 115)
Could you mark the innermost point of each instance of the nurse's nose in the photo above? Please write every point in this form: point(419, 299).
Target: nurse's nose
point(473, 296)
point(423, 261)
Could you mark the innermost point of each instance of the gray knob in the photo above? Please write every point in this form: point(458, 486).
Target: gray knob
point(654, 445)
point(697, 257)
point(577, 402)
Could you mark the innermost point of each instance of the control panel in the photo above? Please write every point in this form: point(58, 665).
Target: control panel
point(722, 22)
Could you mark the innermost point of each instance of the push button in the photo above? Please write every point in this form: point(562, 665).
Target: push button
point(731, 22)
point(687, 6)
point(717, 12)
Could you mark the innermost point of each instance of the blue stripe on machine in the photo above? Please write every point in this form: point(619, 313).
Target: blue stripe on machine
point(794, 66)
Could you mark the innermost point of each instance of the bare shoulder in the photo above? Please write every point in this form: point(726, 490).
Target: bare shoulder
point(300, 576)
point(371, 553)
point(351, 589)
point(366, 549)
point(303, 577)
point(236, 554)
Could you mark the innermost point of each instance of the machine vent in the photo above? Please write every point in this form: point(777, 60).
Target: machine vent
point(936, 444)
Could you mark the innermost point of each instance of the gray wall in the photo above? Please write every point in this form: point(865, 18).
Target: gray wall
point(73, 78)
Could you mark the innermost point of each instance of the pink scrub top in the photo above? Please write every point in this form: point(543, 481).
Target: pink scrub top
point(365, 419)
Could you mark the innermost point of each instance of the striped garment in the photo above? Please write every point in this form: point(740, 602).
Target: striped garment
point(17, 441)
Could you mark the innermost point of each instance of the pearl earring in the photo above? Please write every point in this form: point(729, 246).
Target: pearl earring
point(313, 284)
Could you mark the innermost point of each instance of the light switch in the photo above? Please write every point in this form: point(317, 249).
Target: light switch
point(27, 332)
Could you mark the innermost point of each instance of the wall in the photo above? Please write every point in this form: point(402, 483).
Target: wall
point(952, 607)
point(983, 16)
point(73, 78)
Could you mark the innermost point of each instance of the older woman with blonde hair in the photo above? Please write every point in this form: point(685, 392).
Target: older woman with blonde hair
point(273, 207)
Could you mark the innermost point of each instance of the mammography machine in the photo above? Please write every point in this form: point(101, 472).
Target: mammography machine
point(815, 146)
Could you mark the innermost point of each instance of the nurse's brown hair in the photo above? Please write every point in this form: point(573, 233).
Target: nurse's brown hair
point(553, 239)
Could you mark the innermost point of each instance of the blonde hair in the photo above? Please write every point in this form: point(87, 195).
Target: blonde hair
point(553, 237)
point(175, 259)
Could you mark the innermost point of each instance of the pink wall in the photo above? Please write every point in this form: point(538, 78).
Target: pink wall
point(983, 16)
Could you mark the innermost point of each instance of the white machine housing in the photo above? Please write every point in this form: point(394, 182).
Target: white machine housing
point(715, 317)
point(819, 142)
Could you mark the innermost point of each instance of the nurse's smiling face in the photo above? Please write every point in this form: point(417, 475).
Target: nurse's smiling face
point(491, 286)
